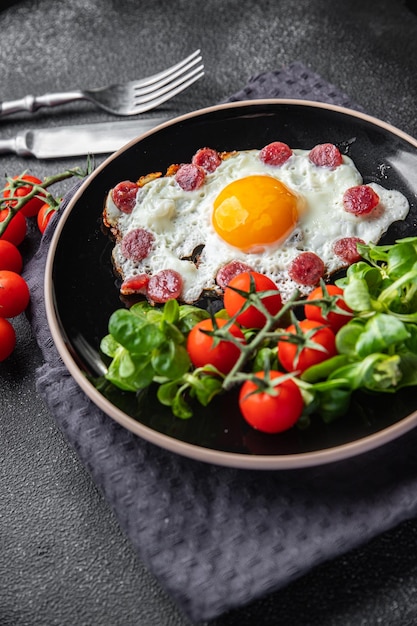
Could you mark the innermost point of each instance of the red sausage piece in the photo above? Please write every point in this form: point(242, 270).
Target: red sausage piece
point(360, 200)
point(306, 269)
point(347, 250)
point(275, 153)
point(229, 271)
point(207, 158)
point(137, 244)
point(165, 285)
point(190, 177)
point(326, 155)
point(124, 196)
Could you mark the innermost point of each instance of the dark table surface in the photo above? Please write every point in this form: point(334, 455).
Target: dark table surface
point(64, 559)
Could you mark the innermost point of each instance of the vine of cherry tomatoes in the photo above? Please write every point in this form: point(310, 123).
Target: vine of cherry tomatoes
point(23, 198)
point(269, 400)
point(14, 291)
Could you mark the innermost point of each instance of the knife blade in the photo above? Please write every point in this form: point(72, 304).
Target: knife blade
point(77, 140)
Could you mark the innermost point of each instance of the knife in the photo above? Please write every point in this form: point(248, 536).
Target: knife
point(80, 139)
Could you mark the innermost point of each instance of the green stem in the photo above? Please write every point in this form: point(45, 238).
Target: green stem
point(247, 350)
point(39, 190)
point(389, 292)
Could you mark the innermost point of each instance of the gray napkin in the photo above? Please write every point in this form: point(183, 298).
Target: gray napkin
point(217, 538)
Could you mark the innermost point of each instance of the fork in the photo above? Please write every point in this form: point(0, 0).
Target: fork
point(129, 98)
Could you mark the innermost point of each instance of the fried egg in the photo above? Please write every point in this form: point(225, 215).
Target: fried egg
point(249, 211)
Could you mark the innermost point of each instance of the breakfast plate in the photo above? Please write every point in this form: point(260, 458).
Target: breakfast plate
point(82, 289)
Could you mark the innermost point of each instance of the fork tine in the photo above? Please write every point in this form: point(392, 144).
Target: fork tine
point(140, 90)
point(166, 89)
point(150, 80)
point(152, 102)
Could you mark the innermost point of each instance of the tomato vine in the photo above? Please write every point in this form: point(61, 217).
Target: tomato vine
point(22, 198)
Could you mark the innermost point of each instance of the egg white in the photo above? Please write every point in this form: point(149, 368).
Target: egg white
point(181, 220)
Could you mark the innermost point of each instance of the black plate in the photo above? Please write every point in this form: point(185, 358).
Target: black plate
point(81, 291)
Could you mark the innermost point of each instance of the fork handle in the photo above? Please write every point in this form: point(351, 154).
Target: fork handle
point(33, 103)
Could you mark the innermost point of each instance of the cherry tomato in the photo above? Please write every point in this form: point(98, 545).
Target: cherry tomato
point(316, 346)
point(233, 301)
point(7, 339)
point(16, 228)
point(328, 314)
point(202, 352)
point(14, 294)
point(10, 257)
point(31, 208)
point(271, 411)
point(44, 215)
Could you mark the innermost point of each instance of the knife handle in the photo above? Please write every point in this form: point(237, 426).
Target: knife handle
point(18, 144)
point(8, 145)
point(33, 103)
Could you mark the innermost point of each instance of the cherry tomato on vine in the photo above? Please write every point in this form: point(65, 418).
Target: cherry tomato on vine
point(44, 216)
point(271, 410)
point(315, 346)
point(10, 257)
point(16, 229)
point(202, 350)
point(7, 339)
point(31, 208)
point(328, 314)
point(233, 301)
point(14, 294)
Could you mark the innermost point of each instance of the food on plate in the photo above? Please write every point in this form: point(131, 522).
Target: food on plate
point(357, 335)
point(251, 317)
point(267, 412)
point(204, 350)
point(313, 344)
point(326, 305)
point(264, 230)
point(293, 215)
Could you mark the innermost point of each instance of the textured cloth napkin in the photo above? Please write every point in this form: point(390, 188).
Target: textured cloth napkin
point(217, 538)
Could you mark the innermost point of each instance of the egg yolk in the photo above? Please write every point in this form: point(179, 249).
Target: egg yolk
point(254, 212)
